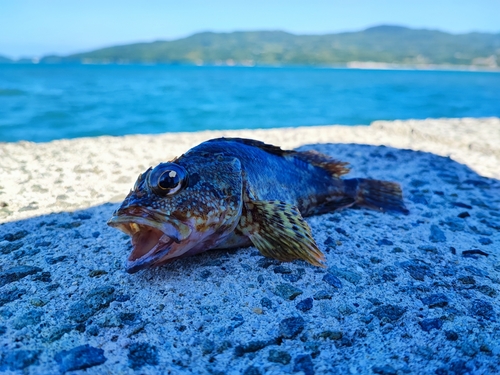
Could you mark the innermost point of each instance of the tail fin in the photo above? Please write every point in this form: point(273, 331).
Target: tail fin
point(376, 194)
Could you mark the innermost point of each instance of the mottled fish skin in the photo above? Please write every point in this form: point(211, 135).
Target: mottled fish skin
point(232, 192)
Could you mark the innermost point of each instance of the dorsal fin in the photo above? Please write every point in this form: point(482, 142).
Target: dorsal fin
point(271, 149)
point(335, 167)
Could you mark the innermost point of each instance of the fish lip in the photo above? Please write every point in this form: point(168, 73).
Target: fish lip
point(171, 228)
point(147, 260)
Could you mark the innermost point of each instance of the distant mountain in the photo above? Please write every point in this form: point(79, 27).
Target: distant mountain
point(381, 44)
point(5, 60)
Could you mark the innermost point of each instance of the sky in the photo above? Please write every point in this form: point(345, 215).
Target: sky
point(34, 28)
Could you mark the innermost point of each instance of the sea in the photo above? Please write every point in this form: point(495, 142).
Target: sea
point(40, 103)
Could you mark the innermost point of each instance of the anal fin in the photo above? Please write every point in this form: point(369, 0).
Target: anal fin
point(278, 231)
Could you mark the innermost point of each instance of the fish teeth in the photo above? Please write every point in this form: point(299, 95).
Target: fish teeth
point(135, 228)
point(164, 239)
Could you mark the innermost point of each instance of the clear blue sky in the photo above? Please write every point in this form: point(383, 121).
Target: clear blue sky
point(40, 27)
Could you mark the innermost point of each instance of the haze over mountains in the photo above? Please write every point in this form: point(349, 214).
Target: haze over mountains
point(380, 44)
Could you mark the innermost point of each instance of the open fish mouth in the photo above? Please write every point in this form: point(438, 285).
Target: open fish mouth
point(151, 239)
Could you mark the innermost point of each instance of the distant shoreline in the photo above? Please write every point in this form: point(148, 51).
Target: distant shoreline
point(378, 47)
point(352, 65)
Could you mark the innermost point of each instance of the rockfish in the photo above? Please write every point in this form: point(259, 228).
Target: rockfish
point(232, 192)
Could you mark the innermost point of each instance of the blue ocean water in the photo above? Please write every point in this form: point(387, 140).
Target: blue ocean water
point(45, 102)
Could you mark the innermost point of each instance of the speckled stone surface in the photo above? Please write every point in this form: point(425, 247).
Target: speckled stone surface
point(415, 294)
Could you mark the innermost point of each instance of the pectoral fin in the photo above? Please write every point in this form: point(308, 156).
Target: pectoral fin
point(278, 230)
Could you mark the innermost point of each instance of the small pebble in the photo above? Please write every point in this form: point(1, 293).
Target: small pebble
point(459, 367)
point(417, 269)
point(10, 247)
point(79, 358)
point(205, 274)
point(305, 305)
point(97, 273)
point(332, 280)
point(469, 348)
point(59, 332)
point(384, 242)
point(93, 330)
point(96, 300)
point(141, 354)
point(487, 290)
point(474, 253)
point(279, 356)
point(266, 303)
point(384, 370)
point(482, 309)
point(428, 248)
point(29, 318)
point(485, 241)
point(54, 260)
point(428, 324)
point(467, 280)
point(252, 370)
point(11, 295)
point(313, 347)
point(287, 291)
point(346, 274)
point(37, 302)
point(282, 270)
point(331, 335)
point(17, 273)
point(437, 235)
point(322, 294)
point(207, 347)
point(342, 232)
point(435, 300)
point(390, 312)
point(304, 363)
point(451, 335)
point(18, 359)
point(289, 328)
point(251, 347)
point(15, 236)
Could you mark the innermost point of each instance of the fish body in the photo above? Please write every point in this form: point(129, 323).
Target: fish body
point(233, 192)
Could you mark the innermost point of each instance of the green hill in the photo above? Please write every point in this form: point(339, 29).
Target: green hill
point(5, 60)
point(382, 44)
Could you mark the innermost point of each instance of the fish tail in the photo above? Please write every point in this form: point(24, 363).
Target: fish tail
point(376, 194)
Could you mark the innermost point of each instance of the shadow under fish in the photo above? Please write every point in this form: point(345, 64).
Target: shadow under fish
point(231, 192)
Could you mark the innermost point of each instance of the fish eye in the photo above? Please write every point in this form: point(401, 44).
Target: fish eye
point(167, 179)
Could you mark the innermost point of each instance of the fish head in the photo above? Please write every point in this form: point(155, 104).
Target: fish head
point(180, 208)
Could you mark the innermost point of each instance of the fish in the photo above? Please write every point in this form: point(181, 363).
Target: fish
point(229, 193)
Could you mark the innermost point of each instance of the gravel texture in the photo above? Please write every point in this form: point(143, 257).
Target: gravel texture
point(414, 294)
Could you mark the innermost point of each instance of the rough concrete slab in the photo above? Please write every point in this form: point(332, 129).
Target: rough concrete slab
point(402, 294)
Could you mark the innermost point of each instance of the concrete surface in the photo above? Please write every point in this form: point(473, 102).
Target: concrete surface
point(415, 294)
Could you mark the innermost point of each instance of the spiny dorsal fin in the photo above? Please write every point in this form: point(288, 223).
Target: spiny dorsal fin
point(278, 231)
point(335, 167)
point(271, 149)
